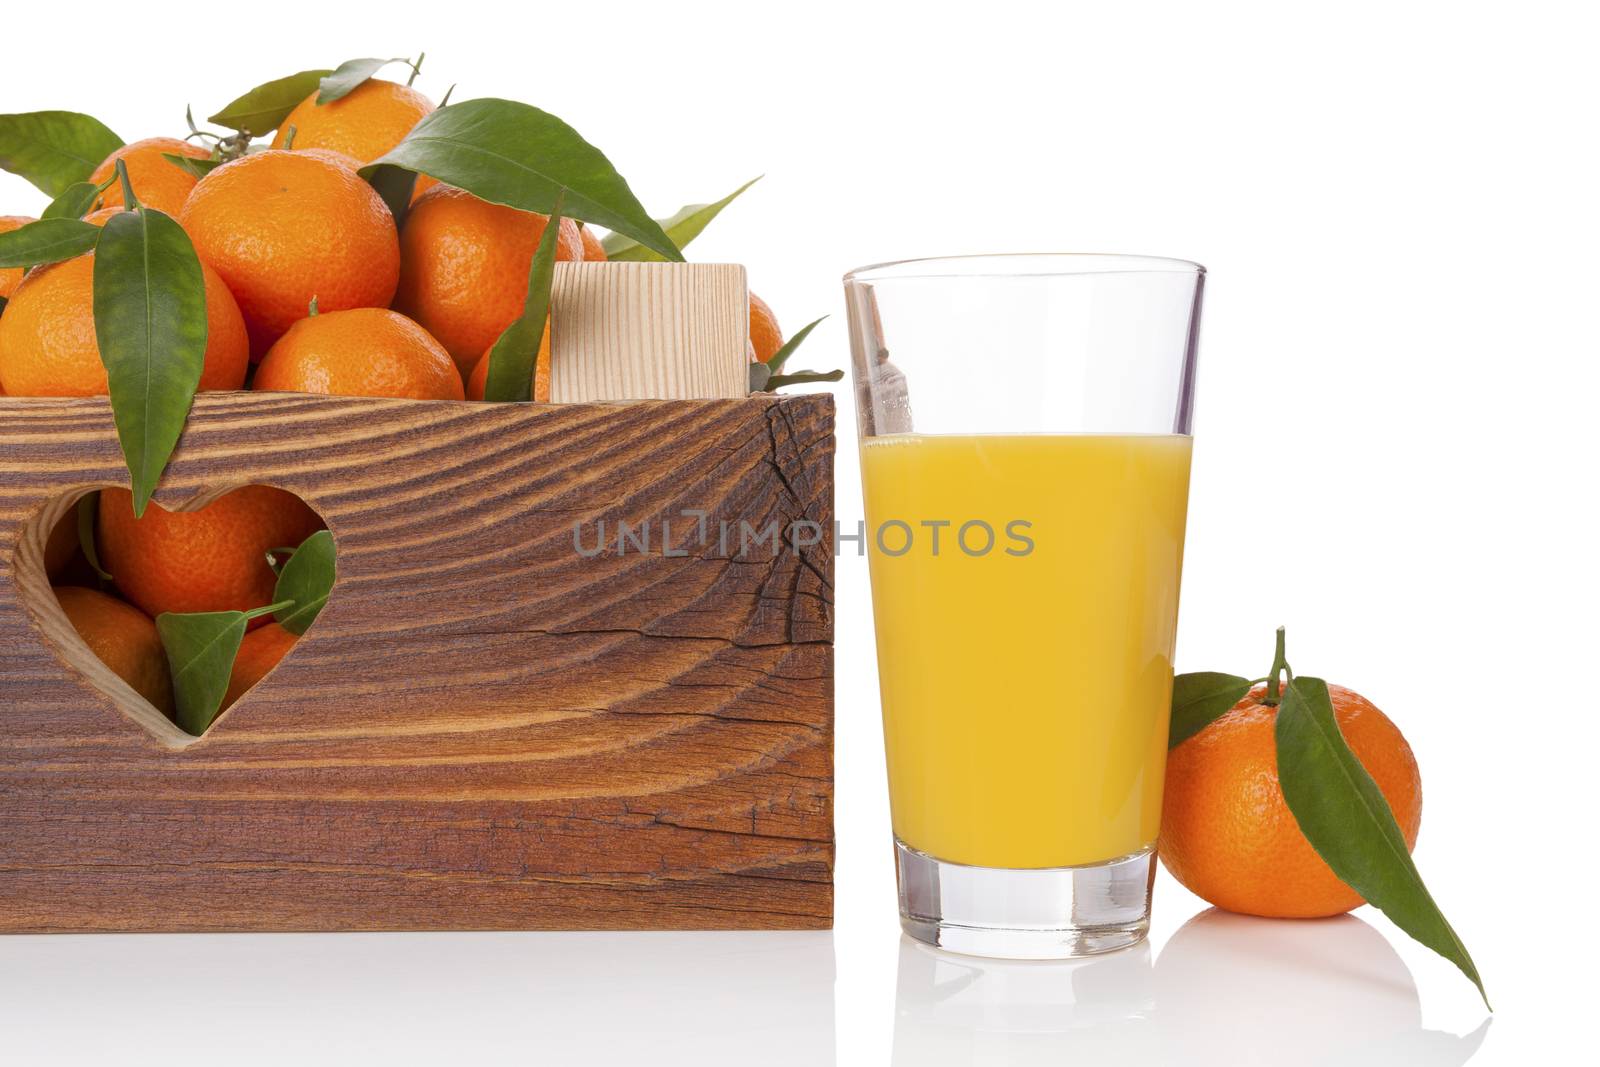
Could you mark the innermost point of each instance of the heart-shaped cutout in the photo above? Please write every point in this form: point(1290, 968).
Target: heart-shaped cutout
point(176, 614)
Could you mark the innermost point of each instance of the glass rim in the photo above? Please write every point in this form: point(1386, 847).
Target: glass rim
point(1022, 265)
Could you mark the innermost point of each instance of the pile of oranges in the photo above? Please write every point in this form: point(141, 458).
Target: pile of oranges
point(310, 287)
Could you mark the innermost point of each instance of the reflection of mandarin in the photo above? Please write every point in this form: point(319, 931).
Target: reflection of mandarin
point(283, 228)
point(464, 268)
point(157, 181)
point(1228, 835)
point(48, 345)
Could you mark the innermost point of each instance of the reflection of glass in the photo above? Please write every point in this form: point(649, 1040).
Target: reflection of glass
point(1225, 990)
point(953, 1009)
point(1025, 461)
point(490, 998)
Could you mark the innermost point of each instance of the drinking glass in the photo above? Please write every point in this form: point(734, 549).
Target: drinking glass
point(1024, 428)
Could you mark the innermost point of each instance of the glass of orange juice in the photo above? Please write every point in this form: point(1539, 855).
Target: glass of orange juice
point(1024, 425)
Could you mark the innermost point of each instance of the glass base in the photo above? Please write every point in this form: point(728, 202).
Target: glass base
point(1042, 914)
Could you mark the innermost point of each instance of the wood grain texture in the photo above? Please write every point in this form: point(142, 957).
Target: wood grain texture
point(649, 331)
point(483, 730)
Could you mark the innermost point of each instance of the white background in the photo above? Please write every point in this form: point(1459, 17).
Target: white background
point(1397, 204)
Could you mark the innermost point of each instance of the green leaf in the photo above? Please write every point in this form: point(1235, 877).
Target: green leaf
point(201, 647)
point(1347, 820)
point(396, 186)
point(264, 108)
point(515, 355)
point(513, 154)
point(682, 226)
point(349, 77)
point(1200, 699)
point(88, 510)
point(781, 356)
point(150, 322)
point(760, 374)
point(54, 149)
point(305, 582)
point(197, 167)
point(75, 200)
point(47, 241)
point(801, 377)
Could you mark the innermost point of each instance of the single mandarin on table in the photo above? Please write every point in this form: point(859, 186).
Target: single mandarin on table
point(362, 352)
point(541, 372)
point(125, 640)
point(1228, 836)
point(765, 336)
point(48, 345)
point(283, 228)
point(11, 277)
point(158, 182)
point(211, 559)
point(464, 268)
point(258, 653)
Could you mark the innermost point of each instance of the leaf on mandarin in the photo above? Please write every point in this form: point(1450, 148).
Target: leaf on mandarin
point(1200, 699)
point(515, 355)
point(305, 582)
point(150, 321)
point(682, 226)
point(54, 149)
point(510, 153)
point(263, 109)
point(1344, 815)
point(781, 356)
point(74, 202)
point(349, 77)
point(201, 647)
point(199, 168)
point(47, 241)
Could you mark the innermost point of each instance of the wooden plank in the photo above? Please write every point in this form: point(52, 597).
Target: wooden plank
point(484, 729)
point(649, 331)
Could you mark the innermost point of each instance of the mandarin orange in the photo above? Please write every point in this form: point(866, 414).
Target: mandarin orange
point(362, 352)
point(125, 640)
point(11, 277)
point(210, 559)
point(541, 372)
point(593, 250)
point(464, 268)
point(765, 336)
point(47, 337)
point(365, 124)
point(283, 228)
point(158, 182)
point(259, 652)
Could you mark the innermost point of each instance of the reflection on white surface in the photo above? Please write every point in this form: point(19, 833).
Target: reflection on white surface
point(546, 998)
point(1225, 990)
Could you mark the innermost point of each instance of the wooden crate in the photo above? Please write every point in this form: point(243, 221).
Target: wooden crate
point(483, 730)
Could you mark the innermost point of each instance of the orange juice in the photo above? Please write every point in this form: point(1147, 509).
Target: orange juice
point(1025, 661)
